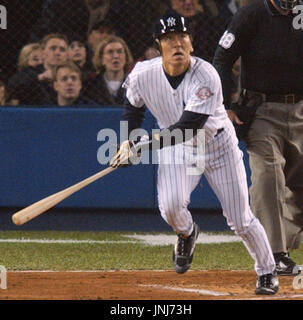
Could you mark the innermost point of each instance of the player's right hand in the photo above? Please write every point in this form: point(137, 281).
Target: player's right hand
point(233, 117)
point(126, 155)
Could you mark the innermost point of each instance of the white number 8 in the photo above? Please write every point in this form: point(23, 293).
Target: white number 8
point(227, 40)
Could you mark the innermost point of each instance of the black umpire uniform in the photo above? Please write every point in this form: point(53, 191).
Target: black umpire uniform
point(270, 47)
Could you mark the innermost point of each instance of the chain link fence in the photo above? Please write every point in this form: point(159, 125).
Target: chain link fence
point(24, 69)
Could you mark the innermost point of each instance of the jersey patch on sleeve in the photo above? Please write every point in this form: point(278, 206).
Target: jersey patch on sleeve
point(227, 40)
point(204, 93)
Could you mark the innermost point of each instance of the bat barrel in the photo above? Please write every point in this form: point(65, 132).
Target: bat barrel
point(39, 207)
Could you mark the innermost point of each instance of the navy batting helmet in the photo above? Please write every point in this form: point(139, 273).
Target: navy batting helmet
point(169, 23)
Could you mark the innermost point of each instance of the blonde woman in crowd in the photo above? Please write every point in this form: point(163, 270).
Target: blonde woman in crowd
point(33, 83)
point(30, 56)
point(112, 61)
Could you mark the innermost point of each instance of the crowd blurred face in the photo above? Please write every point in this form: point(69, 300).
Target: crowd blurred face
point(114, 57)
point(77, 52)
point(2, 94)
point(68, 85)
point(176, 48)
point(54, 53)
point(186, 8)
point(35, 58)
point(96, 36)
point(151, 53)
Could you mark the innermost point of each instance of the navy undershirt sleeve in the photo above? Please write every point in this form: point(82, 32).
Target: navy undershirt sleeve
point(134, 116)
point(189, 120)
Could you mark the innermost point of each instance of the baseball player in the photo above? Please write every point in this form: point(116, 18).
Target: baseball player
point(184, 92)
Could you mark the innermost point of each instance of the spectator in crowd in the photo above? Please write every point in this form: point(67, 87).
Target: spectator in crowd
point(134, 22)
point(98, 10)
point(206, 29)
point(150, 53)
point(99, 31)
point(31, 85)
point(112, 61)
point(54, 52)
point(68, 84)
point(21, 17)
point(68, 17)
point(30, 56)
point(221, 9)
point(188, 8)
point(2, 93)
point(78, 53)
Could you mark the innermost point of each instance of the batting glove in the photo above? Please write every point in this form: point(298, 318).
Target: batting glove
point(126, 155)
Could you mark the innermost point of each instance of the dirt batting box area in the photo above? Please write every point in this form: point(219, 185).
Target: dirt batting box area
point(140, 285)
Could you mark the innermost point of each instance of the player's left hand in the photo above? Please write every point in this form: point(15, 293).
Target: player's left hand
point(126, 155)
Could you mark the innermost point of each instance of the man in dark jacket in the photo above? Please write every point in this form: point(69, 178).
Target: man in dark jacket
point(262, 34)
point(68, 84)
point(30, 86)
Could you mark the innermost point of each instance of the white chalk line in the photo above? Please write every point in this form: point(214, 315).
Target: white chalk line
point(199, 291)
point(164, 239)
point(66, 241)
point(148, 239)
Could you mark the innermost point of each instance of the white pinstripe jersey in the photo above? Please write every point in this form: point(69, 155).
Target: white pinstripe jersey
point(200, 91)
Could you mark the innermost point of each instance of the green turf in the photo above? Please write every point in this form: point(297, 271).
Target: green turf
point(114, 256)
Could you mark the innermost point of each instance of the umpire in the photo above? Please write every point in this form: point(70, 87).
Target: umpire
point(271, 110)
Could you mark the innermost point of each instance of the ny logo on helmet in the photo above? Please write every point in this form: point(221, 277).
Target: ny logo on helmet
point(171, 22)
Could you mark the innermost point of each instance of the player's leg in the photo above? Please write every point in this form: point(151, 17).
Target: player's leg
point(227, 176)
point(174, 187)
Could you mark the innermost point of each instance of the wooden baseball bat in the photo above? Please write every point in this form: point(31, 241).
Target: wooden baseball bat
point(39, 207)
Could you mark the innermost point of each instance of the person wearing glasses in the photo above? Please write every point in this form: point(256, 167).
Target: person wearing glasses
point(112, 61)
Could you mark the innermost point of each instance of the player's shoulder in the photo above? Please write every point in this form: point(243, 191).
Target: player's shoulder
point(141, 70)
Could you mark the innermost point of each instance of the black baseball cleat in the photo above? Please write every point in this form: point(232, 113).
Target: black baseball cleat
point(184, 251)
point(267, 284)
point(285, 266)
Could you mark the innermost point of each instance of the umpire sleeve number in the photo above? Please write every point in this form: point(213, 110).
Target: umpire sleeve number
point(227, 40)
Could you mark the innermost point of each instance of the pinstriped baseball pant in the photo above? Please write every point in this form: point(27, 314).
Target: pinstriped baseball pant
point(225, 173)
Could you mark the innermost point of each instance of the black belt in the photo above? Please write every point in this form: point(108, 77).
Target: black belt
point(290, 98)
